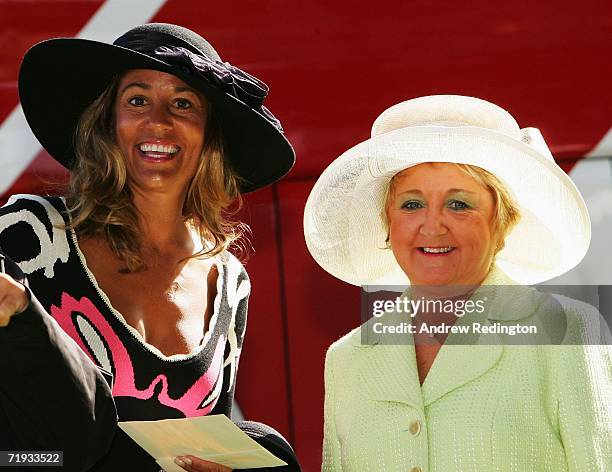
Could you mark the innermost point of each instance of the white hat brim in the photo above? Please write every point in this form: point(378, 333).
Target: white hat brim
point(343, 222)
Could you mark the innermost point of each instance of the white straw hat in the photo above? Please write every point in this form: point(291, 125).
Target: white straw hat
point(343, 221)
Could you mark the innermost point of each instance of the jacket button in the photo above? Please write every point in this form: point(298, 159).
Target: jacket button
point(415, 427)
point(416, 469)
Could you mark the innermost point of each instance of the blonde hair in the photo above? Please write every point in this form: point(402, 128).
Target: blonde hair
point(506, 213)
point(100, 201)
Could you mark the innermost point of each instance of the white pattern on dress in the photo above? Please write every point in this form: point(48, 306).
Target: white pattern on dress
point(94, 342)
point(234, 295)
point(52, 249)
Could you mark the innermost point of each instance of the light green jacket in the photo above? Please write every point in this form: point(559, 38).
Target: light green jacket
point(490, 407)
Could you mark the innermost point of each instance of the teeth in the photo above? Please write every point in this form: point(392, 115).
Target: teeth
point(437, 250)
point(146, 147)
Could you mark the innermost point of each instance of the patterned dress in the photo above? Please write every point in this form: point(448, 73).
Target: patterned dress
point(147, 385)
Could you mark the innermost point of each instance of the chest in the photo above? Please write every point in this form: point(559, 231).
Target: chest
point(169, 304)
point(426, 353)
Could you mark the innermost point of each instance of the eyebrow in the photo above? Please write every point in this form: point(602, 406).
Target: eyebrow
point(452, 190)
point(146, 86)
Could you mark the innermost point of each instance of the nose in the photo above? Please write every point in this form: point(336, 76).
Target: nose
point(160, 117)
point(433, 224)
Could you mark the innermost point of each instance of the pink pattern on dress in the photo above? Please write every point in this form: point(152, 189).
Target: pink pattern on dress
point(124, 385)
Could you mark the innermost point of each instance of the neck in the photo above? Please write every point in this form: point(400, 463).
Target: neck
point(161, 222)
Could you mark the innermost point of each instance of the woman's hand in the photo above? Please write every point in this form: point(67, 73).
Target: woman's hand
point(13, 298)
point(193, 464)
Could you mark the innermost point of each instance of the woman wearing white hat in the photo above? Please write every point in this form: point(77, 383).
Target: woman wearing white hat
point(452, 193)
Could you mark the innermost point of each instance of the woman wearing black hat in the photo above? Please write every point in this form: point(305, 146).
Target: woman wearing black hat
point(160, 137)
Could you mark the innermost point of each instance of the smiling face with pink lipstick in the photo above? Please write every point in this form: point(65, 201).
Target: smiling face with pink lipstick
point(442, 227)
point(159, 126)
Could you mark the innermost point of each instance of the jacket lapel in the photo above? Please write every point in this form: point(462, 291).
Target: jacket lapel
point(456, 366)
point(465, 357)
point(388, 372)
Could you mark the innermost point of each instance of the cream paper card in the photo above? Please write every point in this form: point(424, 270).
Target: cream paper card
point(213, 438)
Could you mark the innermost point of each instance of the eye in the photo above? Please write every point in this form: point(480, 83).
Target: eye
point(183, 103)
point(137, 101)
point(412, 205)
point(458, 205)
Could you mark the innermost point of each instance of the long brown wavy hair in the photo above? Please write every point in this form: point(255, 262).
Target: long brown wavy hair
point(100, 201)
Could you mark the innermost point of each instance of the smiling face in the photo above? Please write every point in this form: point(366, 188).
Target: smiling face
point(159, 128)
point(441, 225)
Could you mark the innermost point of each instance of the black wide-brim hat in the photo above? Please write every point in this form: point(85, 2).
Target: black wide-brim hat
point(60, 78)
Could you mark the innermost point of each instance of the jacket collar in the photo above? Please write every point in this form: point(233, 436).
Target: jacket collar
point(389, 372)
